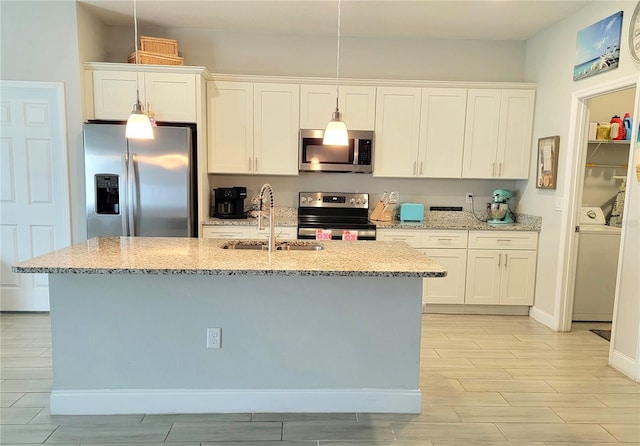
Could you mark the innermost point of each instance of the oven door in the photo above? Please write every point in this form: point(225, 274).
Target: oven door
point(310, 232)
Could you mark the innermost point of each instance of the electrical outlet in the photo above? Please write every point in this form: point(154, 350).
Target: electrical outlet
point(469, 197)
point(558, 204)
point(213, 337)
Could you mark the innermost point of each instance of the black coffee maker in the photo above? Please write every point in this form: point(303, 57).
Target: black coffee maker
point(228, 202)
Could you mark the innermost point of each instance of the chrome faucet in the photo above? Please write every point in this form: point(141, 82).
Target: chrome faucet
point(272, 238)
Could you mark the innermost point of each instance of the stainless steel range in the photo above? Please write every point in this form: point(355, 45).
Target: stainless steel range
point(338, 212)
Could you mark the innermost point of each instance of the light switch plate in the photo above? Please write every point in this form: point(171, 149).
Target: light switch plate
point(558, 203)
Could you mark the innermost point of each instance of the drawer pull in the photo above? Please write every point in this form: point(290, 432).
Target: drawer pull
point(504, 240)
point(506, 259)
point(445, 239)
point(499, 259)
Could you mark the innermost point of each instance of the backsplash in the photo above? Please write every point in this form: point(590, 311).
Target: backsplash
point(429, 191)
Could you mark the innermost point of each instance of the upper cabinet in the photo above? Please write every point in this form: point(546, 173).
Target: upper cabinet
point(397, 132)
point(498, 133)
point(253, 127)
point(442, 126)
point(170, 97)
point(357, 105)
point(420, 132)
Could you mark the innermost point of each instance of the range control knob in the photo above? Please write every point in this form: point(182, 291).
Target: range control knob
point(352, 201)
point(358, 201)
point(303, 199)
point(309, 199)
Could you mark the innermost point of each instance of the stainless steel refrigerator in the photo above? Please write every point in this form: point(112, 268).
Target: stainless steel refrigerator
point(140, 187)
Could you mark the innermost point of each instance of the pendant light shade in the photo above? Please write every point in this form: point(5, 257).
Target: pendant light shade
point(336, 132)
point(138, 124)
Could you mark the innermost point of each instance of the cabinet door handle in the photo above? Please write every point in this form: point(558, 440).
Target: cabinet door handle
point(415, 167)
point(499, 169)
point(506, 259)
point(499, 259)
point(493, 170)
point(420, 167)
point(250, 163)
point(256, 164)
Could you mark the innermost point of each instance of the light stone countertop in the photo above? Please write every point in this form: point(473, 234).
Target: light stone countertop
point(442, 220)
point(193, 256)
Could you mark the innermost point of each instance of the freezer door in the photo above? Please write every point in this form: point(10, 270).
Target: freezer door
point(162, 201)
point(105, 179)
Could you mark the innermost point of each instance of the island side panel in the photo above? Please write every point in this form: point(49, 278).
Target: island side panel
point(145, 335)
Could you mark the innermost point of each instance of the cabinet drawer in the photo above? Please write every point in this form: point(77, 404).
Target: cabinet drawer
point(281, 232)
point(503, 240)
point(227, 232)
point(444, 239)
point(413, 238)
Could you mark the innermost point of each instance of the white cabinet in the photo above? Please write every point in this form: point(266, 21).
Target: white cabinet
point(501, 268)
point(241, 232)
point(397, 131)
point(253, 128)
point(228, 232)
point(448, 249)
point(442, 126)
point(498, 133)
point(420, 132)
point(357, 105)
point(170, 97)
point(230, 125)
point(276, 120)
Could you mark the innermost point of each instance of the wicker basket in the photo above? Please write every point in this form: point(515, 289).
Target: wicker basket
point(159, 45)
point(147, 58)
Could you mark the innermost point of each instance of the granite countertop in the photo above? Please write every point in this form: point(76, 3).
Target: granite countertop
point(450, 220)
point(193, 256)
point(464, 220)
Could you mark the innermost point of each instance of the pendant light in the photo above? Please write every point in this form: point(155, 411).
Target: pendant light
point(138, 124)
point(336, 132)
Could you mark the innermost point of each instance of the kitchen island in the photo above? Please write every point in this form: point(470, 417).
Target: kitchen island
point(334, 330)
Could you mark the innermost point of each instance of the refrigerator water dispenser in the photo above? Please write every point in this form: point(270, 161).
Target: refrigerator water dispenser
point(107, 194)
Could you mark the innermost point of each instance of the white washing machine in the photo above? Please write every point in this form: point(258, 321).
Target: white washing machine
point(596, 269)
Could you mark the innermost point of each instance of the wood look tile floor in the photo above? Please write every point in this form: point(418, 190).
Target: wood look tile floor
point(486, 380)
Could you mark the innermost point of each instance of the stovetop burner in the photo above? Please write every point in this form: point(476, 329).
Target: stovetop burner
point(338, 212)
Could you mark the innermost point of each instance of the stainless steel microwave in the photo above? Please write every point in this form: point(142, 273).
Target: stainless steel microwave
point(316, 157)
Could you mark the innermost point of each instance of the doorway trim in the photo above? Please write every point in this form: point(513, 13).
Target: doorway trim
point(578, 135)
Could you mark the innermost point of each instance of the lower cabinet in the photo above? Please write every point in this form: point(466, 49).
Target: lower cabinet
point(500, 276)
point(483, 267)
point(447, 248)
point(236, 232)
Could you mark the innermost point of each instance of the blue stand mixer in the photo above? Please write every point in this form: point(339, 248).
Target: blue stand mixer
point(498, 212)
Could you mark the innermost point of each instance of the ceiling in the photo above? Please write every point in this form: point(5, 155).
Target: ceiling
point(430, 19)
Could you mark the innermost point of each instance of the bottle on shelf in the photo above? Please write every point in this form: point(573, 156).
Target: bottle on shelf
point(628, 125)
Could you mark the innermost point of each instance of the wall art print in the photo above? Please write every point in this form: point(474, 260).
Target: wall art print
point(547, 169)
point(598, 47)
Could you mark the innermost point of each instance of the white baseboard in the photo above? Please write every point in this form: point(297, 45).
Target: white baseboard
point(159, 401)
point(542, 317)
point(624, 364)
point(508, 310)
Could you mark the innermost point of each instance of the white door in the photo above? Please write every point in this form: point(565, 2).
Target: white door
point(483, 277)
point(481, 133)
point(34, 194)
point(518, 277)
point(171, 97)
point(514, 135)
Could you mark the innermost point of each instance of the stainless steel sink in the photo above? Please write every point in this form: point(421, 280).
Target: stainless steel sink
point(263, 245)
point(300, 245)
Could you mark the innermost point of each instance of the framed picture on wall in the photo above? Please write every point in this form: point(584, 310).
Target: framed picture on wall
point(547, 167)
point(598, 47)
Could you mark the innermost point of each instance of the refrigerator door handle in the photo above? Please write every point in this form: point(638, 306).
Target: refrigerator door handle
point(132, 193)
point(124, 214)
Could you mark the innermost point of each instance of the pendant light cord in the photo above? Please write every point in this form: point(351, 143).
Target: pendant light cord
point(135, 46)
point(338, 57)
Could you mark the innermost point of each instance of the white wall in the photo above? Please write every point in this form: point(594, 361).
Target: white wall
point(549, 62)
point(39, 42)
point(368, 58)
